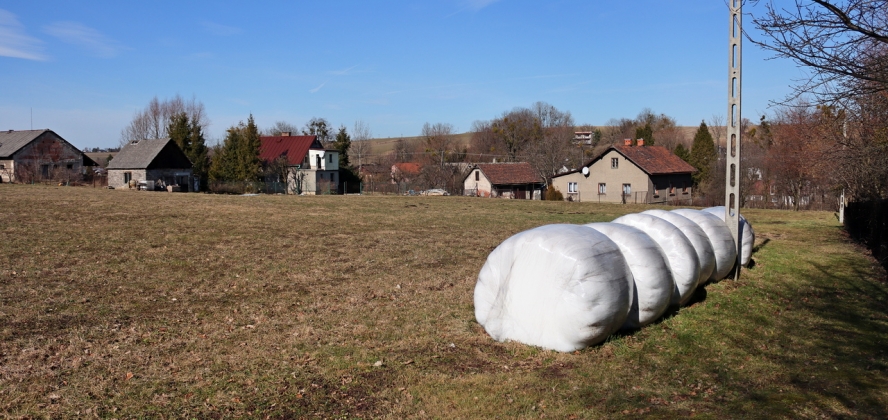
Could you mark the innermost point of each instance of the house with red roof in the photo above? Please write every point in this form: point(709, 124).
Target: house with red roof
point(504, 180)
point(311, 169)
point(629, 173)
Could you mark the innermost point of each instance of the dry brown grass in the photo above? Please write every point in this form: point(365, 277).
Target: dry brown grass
point(127, 304)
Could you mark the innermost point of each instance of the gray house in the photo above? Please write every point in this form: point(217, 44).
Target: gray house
point(152, 165)
point(39, 155)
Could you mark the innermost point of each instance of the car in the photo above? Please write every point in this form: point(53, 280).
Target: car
point(435, 191)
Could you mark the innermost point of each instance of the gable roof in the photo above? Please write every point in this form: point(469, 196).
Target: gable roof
point(293, 147)
point(13, 140)
point(508, 173)
point(141, 154)
point(407, 168)
point(653, 160)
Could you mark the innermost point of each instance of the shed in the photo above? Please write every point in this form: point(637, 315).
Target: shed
point(505, 180)
point(152, 165)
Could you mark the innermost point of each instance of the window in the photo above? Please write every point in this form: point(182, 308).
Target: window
point(627, 189)
point(127, 177)
point(333, 177)
point(2, 166)
point(329, 158)
point(70, 166)
point(671, 190)
point(571, 187)
point(684, 188)
point(615, 163)
point(602, 188)
point(477, 175)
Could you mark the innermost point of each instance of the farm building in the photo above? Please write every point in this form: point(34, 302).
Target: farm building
point(310, 169)
point(505, 180)
point(629, 174)
point(152, 165)
point(37, 155)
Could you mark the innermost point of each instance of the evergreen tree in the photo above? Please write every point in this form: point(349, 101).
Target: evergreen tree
point(249, 166)
point(188, 135)
point(198, 154)
point(703, 154)
point(225, 161)
point(342, 144)
point(682, 152)
point(646, 133)
point(179, 131)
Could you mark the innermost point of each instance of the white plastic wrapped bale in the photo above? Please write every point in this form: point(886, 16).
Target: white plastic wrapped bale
point(747, 234)
point(720, 238)
point(697, 237)
point(653, 279)
point(680, 254)
point(560, 287)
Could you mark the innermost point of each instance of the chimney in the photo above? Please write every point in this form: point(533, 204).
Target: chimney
point(627, 142)
point(285, 134)
point(640, 142)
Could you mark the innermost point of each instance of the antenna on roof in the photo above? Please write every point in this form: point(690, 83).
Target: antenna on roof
point(32, 118)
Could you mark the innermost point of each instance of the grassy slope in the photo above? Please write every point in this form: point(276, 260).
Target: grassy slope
point(144, 304)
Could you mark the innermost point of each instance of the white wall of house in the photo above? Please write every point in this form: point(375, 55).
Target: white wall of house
point(7, 170)
point(476, 184)
point(328, 160)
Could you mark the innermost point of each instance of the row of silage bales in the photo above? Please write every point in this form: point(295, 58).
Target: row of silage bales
point(564, 287)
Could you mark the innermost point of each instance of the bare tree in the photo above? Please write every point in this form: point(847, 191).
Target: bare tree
point(154, 121)
point(360, 146)
point(516, 129)
point(553, 151)
point(844, 45)
point(279, 128)
point(441, 151)
point(321, 128)
point(717, 128)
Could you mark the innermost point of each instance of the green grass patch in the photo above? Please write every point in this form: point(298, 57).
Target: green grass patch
point(129, 304)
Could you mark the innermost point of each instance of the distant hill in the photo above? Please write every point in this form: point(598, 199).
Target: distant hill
point(385, 145)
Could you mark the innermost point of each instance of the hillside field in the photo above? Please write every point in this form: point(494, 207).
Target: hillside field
point(131, 304)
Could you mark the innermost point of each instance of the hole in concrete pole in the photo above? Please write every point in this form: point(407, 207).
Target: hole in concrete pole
point(733, 145)
point(734, 56)
point(733, 174)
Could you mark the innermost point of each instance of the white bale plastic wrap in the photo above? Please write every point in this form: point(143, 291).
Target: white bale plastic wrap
point(697, 237)
point(680, 254)
point(719, 236)
point(747, 234)
point(653, 279)
point(561, 287)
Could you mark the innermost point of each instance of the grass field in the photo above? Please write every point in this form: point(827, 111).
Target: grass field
point(126, 304)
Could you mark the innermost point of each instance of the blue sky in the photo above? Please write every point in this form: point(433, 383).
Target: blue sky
point(85, 69)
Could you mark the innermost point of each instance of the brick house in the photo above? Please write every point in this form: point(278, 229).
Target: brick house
point(152, 165)
point(37, 155)
point(505, 180)
point(311, 169)
point(629, 174)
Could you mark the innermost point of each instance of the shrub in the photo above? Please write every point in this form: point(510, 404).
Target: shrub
point(553, 194)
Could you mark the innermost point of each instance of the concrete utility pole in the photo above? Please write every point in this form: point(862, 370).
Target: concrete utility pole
point(732, 172)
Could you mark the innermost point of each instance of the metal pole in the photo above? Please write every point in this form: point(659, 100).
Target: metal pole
point(732, 172)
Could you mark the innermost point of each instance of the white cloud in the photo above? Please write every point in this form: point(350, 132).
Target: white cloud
point(14, 42)
point(219, 29)
point(478, 4)
point(319, 87)
point(343, 72)
point(83, 36)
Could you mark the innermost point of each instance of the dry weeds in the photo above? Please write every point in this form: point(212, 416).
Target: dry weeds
point(126, 304)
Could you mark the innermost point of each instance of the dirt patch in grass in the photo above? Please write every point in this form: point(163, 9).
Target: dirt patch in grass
point(126, 304)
